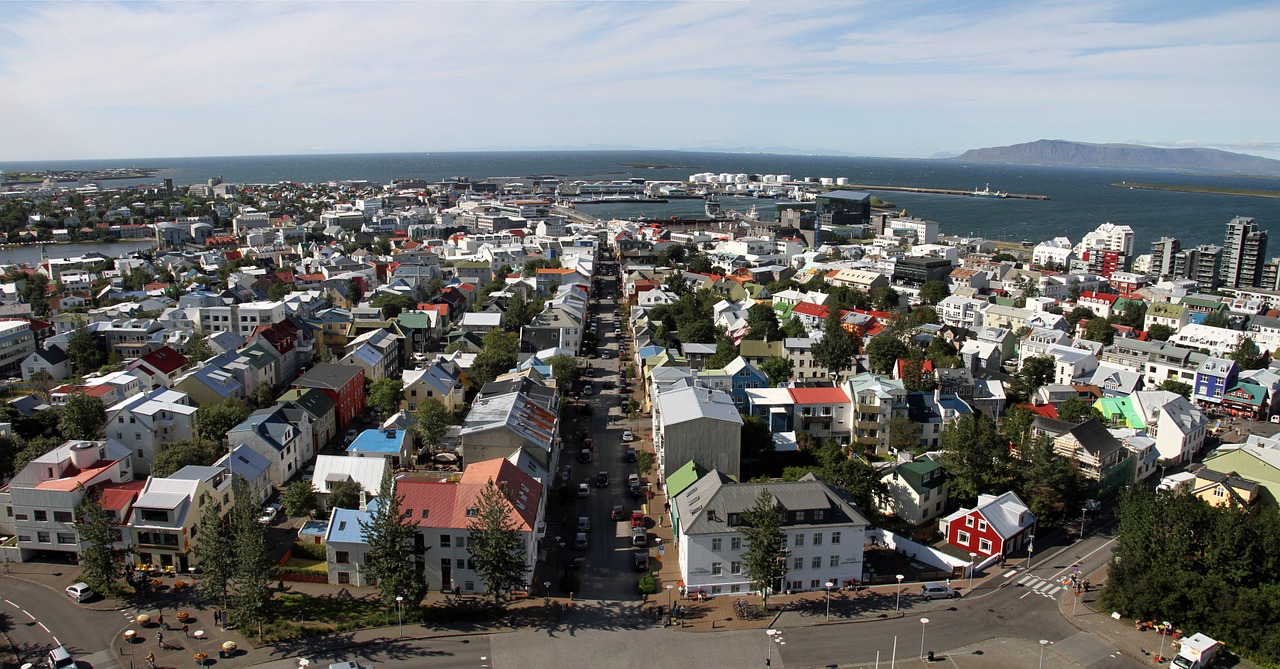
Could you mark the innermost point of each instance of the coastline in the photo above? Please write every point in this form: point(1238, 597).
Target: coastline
point(1203, 190)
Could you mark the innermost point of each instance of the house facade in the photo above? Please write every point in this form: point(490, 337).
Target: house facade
point(998, 525)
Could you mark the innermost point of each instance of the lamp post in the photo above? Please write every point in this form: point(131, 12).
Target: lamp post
point(829, 584)
point(400, 613)
point(898, 600)
point(1162, 636)
point(1083, 510)
point(669, 586)
point(923, 623)
point(1043, 643)
point(1031, 548)
point(774, 636)
point(973, 558)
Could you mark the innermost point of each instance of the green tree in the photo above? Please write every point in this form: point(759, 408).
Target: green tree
point(933, 292)
point(763, 322)
point(837, 347)
point(299, 499)
point(1050, 483)
point(1036, 371)
point(1217, 320)
point(883, 352)
point(1132, 315)
point(392, 305)
point(496, 357)
point(777, 368)
point(764, 558)
point(101, 562)
point(495, 544)
point(251, 589)
point(263, 395)
point(279, 291)
point(853, 475)
point(84, 352)
point(904, 435)
point(214, 421)
point(793, 328)
point(199, 452)
point(344, 495)
point(1016, 425)
point(1080, 314)
point(82, 418)
point(389, 534)
point(1247, 355)
point(431, 422)
point(1099, 330)
point(198, 349)
point(756, 439)
point(1176, 386)
point(915, 377)
point(1075, 410)
point(726, 352)
point(1160, 332)
point(976, 457)
point(385, 395)
point(565, 370)
point(885, 299)
point(678, 283)
point(214, 551)
point(34, 290)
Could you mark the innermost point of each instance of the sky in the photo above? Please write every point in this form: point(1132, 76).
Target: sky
point(894, 79)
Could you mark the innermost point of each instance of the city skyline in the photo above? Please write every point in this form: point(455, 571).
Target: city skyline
point(122, 80)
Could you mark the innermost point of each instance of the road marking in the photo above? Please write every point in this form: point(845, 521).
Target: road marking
point(1024, 579)
point(43, 627)
point(55, 639)
point(28, 614)
point(1010, 573)
point(1081, 559)
point(11, 604)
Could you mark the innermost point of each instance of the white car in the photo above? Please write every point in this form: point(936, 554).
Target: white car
point(584, 490)
point(627, 436)
point(79, 591)
point(931, 591)
point(269, 514)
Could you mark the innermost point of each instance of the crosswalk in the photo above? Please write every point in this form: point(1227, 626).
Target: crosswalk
point(1040, 586)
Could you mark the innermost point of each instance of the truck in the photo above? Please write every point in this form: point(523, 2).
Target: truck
point(1196, 652)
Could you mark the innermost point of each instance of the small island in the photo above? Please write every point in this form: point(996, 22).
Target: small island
point(37, 176)
point(1212, 190)
point(657, 166)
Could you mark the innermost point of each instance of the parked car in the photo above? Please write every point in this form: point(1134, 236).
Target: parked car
point(576, 563)
point(79, 591)
point(931, 591)
point(602, 480)
point(637, 519)
point(59, 658)
point(639, 536)
point(618, 513)
point(584, 490)
point(269, 513)
point(631, 455)
point(588, 389)
point(584, 524)
point(580, 541)
point(584, 455)
point(642, 560)
point(350, 436)
point(627, 436)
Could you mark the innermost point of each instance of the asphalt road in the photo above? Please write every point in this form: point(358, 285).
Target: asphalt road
point(38, 620)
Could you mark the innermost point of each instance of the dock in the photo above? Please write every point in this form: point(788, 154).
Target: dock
point(942, 191)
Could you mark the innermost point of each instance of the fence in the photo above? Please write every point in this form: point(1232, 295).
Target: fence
point(946, 564)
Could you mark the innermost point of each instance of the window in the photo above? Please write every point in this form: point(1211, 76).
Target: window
point(66, 537)
point(817, 538)
point(715, 589)
point(735, 568)
point(968, 521)
point(40, 515)
point(799, 540)
point(445, 540)
point(816, 562)
point(62, 516)
point(962, 537)
point(716, 568)
point(735, 588)
point(1219, 492)
point(815, 583)
point(344, 577)
point(835, 538)
point(460, 563)
point(715, 545)
point(42, 537)
point(819, 514)
point(984, 546)
point(982, 526)
point(735, 543)
point(798, 563)
point(342, 557)
point(835, 561)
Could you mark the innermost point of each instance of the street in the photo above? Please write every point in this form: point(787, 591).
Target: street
point(38, 620)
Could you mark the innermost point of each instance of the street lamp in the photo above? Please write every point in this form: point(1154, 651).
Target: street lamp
point(400, 613)
point(1083, 511)
point(1031, 548)
point(1043, 643)
point(898, 599)
point(774, 636)
point(973, 557)
point(829, 584)
point(1162, 636)
point(669, 586)
point(923, 622)
point(546, 588)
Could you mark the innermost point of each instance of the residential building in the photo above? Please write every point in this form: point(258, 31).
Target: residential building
point(1177, 426)
point(159, 368)
point(501, 425)
point(824, 534)
point(330, 470)
point(697, 424)
point(1244, 251)
point(876, 401)
point(378, 353)
point(164, 526)
point(1214, 377)
point(281, 434)
point(998, 525)
point(16, 343)
point(917, 491)
point(150, 422)
point(344, 384)
point(323, 411)
point(396, 446)
point(439, 380)
point(51, 360)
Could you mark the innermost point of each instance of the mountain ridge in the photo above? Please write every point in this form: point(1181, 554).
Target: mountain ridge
point(1083, 154)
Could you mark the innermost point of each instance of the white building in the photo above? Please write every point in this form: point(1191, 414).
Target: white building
point(149, 422)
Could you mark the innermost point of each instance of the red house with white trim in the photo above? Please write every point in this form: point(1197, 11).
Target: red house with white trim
point(997, 525)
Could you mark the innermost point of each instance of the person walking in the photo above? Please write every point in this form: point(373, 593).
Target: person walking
point(186, 630)
point(217, 617)
point(160, 639)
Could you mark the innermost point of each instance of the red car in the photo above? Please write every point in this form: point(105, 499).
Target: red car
point(637, 519)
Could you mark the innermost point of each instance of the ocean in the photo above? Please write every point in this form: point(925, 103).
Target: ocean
point(1080, 198)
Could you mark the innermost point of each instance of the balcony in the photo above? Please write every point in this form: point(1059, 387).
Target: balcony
point(866, 425)
point(867, 408)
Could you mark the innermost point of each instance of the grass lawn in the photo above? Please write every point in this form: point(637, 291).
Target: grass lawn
point(303, 564)
point(326, 609)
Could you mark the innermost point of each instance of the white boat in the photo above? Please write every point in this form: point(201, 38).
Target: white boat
point(712, 207)
point(987, 192)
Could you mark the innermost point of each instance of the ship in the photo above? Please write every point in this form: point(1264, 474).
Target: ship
point(712, 206)
point(987, 192)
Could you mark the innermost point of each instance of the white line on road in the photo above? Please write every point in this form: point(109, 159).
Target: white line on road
point(28, 614)
point(11, 604)
point(43, 627)
point(1024, 579)
point(1081, 559)
point(55, 639)
point(1010, 573)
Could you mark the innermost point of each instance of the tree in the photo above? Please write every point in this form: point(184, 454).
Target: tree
point(726, 352)
point(101, 562)
point(214, 551)
point(1132, 315)
point(837, 347)
point(198, 349)
point(793, 328)
point(82, 418)
point(853, 475)
point(885, 299)
point(392, 305)
point(1217, 320)
point(386, 395)
point(678, 283)
point(883, 352)
point(278, 291)
point(1080, 314)
point(764, 559)
point(299, 499)
point(263, 395)
point(389, 534)
point(1176, 386)
point(1247, 355)
point(756, 439)
point(915, 377)
point(199, 452)
point(1036, 371)
point(497, 356)
point(1016, 426)
point(763, 322)
point(933, 292)
point(344, 495)
point(1050, 483)
point(431, 422)
point(214, 421)
point(1074, 410)
point(977, 458)
point(1099, 330)
point(84, 352)
point(34, 291)
point(355, 291)
point(777, 368)
point(1160, 332)
point(904, 435)
point(565, 370)
point(495, 544)
point(251, 581)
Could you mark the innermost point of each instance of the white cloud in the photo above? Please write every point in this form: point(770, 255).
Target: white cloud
point(106, 79)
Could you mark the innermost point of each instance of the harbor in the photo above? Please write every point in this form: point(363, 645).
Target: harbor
point(987, 192)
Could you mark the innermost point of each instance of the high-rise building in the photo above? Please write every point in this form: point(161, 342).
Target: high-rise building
point(1203, 264)
point(1162, 253)
point(1243, 253)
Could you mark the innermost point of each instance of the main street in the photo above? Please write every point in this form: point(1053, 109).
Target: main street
point(39, 620)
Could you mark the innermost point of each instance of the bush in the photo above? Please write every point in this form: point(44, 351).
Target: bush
point(648, 585)
point(309, 551)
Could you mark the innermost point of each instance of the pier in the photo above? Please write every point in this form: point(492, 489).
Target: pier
point(943, 191)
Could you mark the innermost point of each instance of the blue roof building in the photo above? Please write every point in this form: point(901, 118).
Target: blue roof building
point(396, 445)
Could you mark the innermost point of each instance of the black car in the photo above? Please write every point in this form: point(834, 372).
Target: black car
point(602, 480)
point(631, 455)
point(642, 560)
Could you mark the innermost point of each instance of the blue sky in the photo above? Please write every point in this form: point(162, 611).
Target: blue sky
point(898, 79)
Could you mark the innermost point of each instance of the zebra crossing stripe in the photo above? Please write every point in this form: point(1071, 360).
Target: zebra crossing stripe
point(1043, 587)
point(1053, 592)
point(1024, 579)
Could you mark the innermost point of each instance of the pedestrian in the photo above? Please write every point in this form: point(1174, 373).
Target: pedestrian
point(160, 639)
point(185, 630)
point(217, 617)
point(160, 620)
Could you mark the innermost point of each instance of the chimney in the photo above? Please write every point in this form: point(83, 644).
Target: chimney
point(364, 500)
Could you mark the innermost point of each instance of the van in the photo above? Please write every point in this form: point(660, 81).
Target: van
point(59, 658)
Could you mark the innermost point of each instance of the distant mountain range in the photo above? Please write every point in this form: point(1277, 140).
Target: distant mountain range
point(1081, 154)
